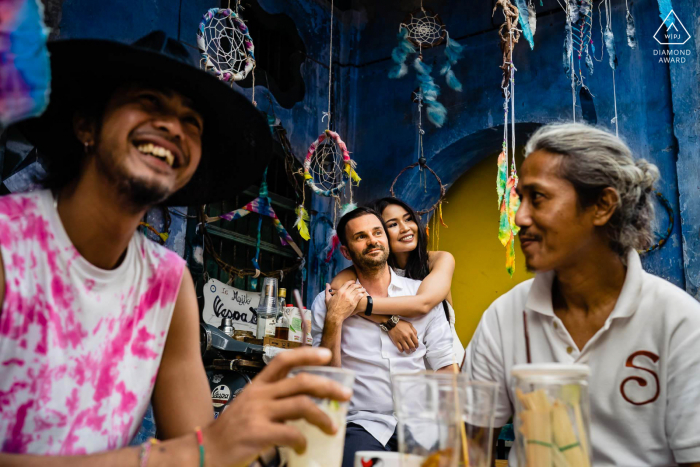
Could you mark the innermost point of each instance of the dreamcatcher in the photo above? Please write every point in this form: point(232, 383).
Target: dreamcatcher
point(225, 45)
point(507, 179)
point(328, 166)
point(424, 169)
point(424, 29)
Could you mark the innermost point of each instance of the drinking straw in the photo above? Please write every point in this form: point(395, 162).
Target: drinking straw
point(527, 337)
point(463, 431)
point(300, 304)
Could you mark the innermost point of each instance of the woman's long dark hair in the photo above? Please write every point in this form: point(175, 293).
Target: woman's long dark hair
point(417, 266)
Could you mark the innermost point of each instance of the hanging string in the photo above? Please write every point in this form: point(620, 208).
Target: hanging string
point(573, 71)
point(608, 18)
point(330, 70)
point(512, 101)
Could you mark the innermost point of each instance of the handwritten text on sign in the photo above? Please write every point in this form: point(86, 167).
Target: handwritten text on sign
point(223, 301)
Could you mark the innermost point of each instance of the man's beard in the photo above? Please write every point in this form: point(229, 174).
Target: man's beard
point(369, 263)
point(137, 192)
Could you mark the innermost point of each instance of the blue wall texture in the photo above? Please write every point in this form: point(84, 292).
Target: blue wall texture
point(658, 103)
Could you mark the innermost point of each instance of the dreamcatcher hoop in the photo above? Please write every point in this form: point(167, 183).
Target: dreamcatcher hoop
point(423, 165)
point(348, 170)
point(224, 24)
point(425, 28)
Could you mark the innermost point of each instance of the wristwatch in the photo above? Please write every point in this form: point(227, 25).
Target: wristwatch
point(370, 305)
point(390, 324)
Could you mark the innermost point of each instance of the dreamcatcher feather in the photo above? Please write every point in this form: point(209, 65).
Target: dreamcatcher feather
point(424, 29)
point(665, 9)
point(225, 45)
point(631, 30)
point(528, 20)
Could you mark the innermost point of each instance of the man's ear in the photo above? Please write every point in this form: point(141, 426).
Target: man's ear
point(605, 207)
point(346, 253)
point(84, 128)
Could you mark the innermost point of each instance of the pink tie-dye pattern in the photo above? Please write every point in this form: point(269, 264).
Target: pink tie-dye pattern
point(44, 313)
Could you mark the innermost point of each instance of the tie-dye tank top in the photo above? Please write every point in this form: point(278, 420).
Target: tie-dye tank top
point(79, 346)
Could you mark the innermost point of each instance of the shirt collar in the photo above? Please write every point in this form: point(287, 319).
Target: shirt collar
point(397, 282)
point(539, 298)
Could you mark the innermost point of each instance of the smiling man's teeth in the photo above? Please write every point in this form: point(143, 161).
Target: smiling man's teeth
point(157, 151)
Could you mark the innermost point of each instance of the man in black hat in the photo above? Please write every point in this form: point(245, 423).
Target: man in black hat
point(96, 320)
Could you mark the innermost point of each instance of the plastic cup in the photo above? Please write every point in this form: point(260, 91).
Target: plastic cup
point(444, 418)
point(552, 421)
point(322, 450)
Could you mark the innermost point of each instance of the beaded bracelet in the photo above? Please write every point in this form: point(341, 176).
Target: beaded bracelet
point(200, 442)
point(146, 451)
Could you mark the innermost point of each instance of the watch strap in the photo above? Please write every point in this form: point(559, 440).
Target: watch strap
point(389, 324)
point(370, 305)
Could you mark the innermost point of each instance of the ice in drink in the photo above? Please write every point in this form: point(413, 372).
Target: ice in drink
point(322, 450)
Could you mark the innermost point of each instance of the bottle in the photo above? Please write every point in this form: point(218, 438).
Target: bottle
point(267, 309)
point(295, 318)
point(282, 301)
point(282, 326)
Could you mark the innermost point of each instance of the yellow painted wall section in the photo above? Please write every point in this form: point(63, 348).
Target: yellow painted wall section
point(472, 214)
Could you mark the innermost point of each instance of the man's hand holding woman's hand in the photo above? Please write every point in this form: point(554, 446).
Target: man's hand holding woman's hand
point(255, 421)
point(341, 304)
point(404, 336)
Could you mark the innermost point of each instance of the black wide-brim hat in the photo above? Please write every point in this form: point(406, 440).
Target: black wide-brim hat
point(236, 142)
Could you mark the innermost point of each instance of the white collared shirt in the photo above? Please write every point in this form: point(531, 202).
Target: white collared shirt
point(369, 352)
point(645, 365)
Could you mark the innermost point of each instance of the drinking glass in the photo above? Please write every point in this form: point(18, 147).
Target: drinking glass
point(322, 450)
point(443, 419)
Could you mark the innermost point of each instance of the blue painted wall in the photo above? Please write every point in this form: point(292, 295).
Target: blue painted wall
point(657, 103)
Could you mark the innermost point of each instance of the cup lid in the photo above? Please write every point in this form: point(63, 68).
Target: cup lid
point(550, 370)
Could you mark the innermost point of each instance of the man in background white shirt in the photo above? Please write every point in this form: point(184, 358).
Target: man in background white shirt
point(361, 346)
point(587, 207)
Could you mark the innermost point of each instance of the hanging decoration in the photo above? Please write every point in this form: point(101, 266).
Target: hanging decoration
point(665, 12)
point(263, 207)
point(424, 29)
point(608, 39)
point(290, 165)
point(631, 30)
point(327, 165)
point(26, 72)
point(225, 45)
point(507, 177)
point(528, 20)
point(579, 42)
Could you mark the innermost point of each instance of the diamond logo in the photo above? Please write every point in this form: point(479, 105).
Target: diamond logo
point(674, 34)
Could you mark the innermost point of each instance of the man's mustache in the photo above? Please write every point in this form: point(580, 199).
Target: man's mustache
point(378, 246)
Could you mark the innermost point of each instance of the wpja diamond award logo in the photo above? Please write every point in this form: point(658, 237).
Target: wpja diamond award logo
point(672, 32)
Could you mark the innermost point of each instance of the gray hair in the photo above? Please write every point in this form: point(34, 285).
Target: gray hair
point(594, 159)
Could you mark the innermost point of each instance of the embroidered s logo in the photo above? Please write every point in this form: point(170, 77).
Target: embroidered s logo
point(639, 380)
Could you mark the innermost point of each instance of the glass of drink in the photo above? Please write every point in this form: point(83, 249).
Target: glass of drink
point(444, 420)
point(322, 450)
point(552, 417)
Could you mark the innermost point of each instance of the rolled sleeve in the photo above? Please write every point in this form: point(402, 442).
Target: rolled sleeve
point(438, 341)
point(484, 362)
point(318, 318)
